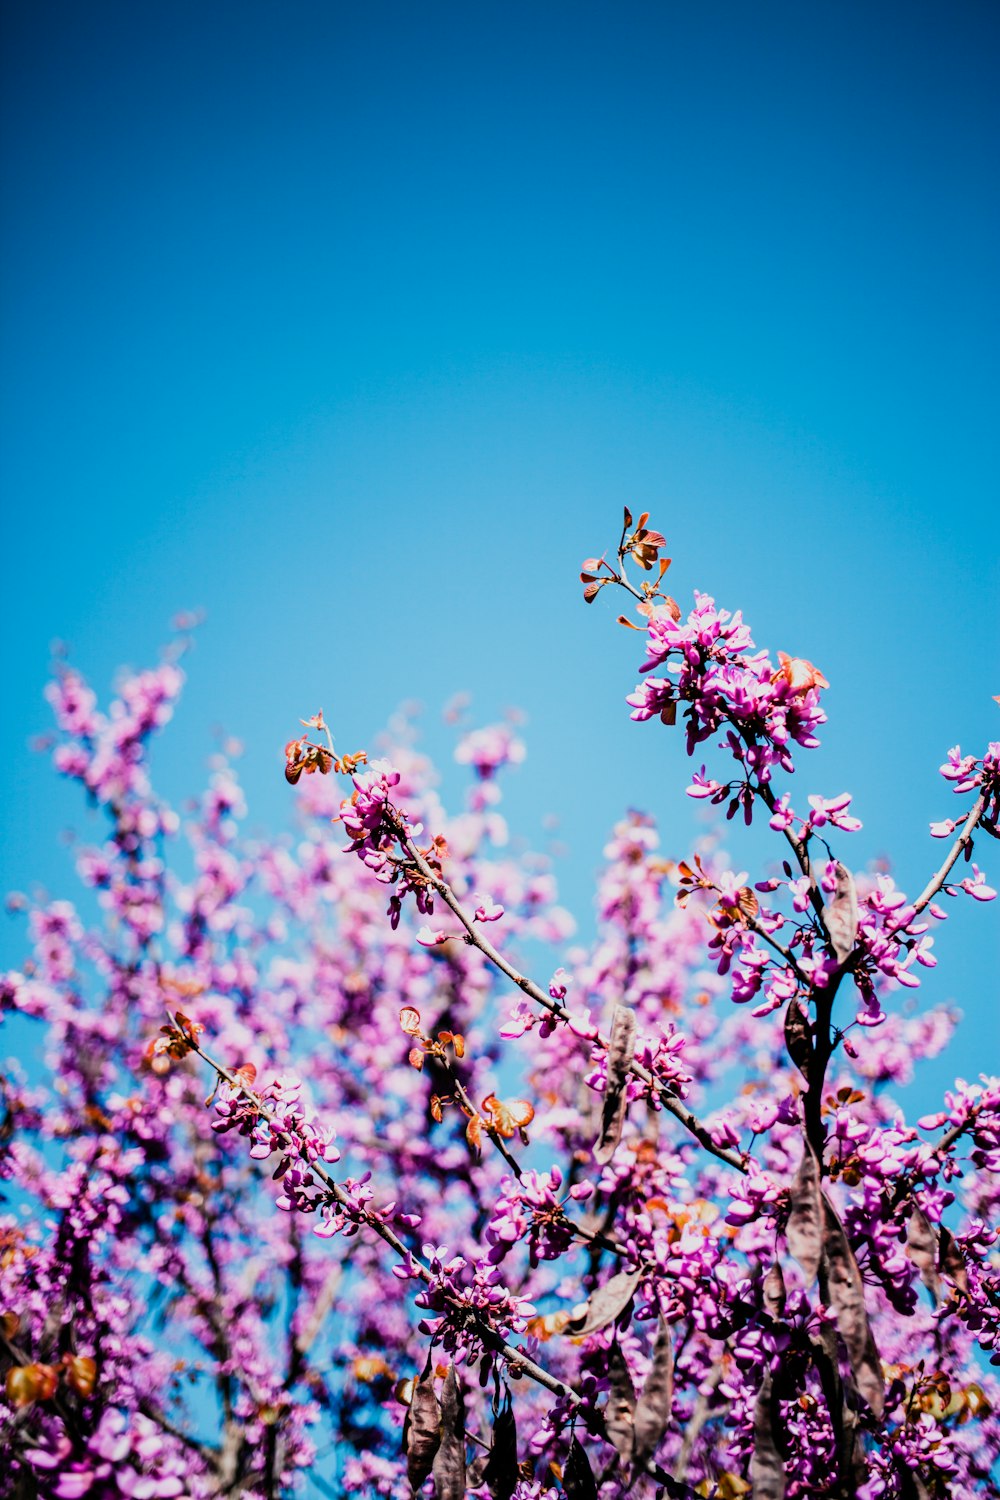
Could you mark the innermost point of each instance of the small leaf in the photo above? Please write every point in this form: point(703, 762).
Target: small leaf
point(507, 1116)
point(747, 901)
point(847, 1298)
point(800, 675)
point(628, 517)
point(840, 915)
point(730, 1487)
point(652, 1412)
point(922, 1248)
point(474, 1133)
point(28, 1383)
point(621, 1047)
point(409, 1019)
point(421, 1430)
point(804, 1230)
point(666, 608)
point(798, 1037)
point(449, 1460)
point(604, 1305)
point(577, 1475)
point(774, 1291)
point(81, 1373)
point(767, 1468)
point(546, 1325)
point(619, 1412)
point(592, 590)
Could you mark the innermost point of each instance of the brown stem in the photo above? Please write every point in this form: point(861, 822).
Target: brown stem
point(798, 846)
point(296, 1270)
point(577, 1230)
point(150, 1409)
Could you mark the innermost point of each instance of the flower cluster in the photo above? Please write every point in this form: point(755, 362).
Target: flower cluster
point(466, 1300)
point(533, 1209)
point(716, 672)
point(370, 821)
point(725, 1260)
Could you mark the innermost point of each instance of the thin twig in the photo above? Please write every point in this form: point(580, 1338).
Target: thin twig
point(935, 883)
point(909, 1180)
point(786, 953)
point(472, 1112)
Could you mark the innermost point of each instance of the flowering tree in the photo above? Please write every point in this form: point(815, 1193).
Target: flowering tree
point(442, 1229)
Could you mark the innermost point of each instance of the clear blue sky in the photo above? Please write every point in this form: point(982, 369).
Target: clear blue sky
point(356, 325)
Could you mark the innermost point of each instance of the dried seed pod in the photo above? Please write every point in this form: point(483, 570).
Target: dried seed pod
point(604, 1305)
point(847, 1298)
point(840, 915)
point(621, 1047)
point(804, 1230)
point(449, 1461)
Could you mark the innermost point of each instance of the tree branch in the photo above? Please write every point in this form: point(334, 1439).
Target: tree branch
point(935, 883)
point(674, 1106)
point(515, 1358)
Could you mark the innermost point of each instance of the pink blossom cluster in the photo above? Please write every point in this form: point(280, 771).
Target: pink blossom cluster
point(367, 818)
point(532, 1209)
point(466, 1299)
point(274, 1121)
point(715, 671)
point(604, 1234)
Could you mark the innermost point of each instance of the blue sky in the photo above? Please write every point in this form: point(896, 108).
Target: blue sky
point(356, 326)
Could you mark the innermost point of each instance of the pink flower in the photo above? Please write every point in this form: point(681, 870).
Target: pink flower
point(430, 937)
